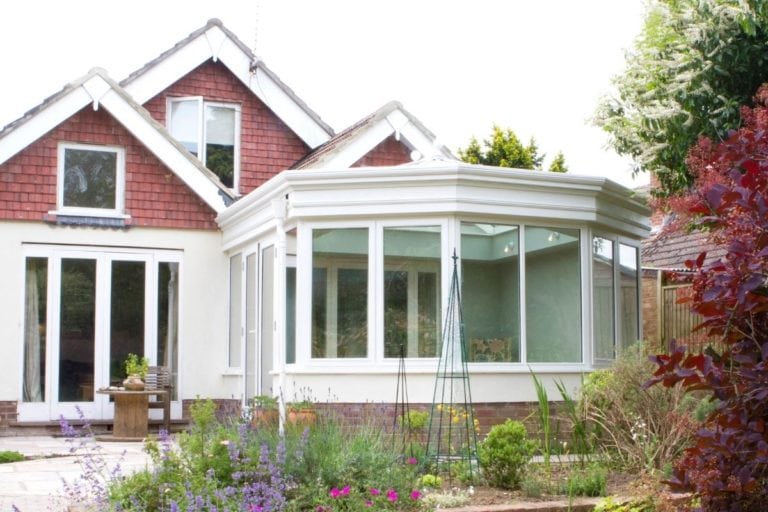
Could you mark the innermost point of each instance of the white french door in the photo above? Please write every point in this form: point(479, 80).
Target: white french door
point(93, 308)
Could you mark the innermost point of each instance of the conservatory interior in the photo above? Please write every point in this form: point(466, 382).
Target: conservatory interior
point(548, 266)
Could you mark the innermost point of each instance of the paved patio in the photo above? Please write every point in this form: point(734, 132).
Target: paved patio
point(37, 484)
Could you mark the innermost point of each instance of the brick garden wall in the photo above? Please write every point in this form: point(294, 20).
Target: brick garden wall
point(8, 413)
point(267, 145)
point(154, 196)
point(650, 306)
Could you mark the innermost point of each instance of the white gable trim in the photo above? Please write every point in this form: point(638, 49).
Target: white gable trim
point(215, 44)
point(101, 91)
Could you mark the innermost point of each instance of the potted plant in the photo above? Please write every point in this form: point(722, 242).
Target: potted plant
point(136, 370)
point(301, 411)
point(264, 411)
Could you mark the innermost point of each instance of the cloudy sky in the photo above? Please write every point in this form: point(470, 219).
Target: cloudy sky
point(537, 67)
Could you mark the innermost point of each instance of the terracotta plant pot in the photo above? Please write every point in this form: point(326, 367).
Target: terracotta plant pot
point(133, 383)
point(264, 418)
point(302, 416)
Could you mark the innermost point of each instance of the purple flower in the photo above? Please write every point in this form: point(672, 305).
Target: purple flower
point(415, 495)
point(411, 460)
point(375, 491)
point(345, 490)
point(392, 495)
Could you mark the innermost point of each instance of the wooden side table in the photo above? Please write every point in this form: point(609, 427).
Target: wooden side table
point(131, 413)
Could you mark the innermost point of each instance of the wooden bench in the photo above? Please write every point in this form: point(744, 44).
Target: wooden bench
point(159, 379)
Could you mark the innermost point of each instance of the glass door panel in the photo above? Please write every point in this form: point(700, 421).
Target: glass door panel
point(127, 312)
point(77, 327)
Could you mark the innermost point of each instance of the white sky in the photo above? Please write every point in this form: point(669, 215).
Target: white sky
point(535, 66)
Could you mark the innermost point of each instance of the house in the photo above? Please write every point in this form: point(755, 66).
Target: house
point(200, 213)
point(666, 280)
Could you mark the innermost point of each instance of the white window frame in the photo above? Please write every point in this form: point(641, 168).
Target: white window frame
point(202, 135)
point(118, 210)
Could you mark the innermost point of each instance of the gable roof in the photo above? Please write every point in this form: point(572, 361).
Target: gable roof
point(98, 89)
point(214, 41)
point(352, 144)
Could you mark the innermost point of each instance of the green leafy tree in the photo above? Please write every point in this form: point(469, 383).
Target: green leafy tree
point(558, 164)
point(504, 149)
point(694, 63)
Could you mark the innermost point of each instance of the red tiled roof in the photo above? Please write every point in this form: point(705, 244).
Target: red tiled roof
point(669, 249)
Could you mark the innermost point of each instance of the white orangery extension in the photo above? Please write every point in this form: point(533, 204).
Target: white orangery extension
point(334, 272)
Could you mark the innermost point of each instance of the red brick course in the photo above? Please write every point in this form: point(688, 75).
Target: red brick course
point(8, 412)
point(267, 145)
point(390, 151)
point(154, 196)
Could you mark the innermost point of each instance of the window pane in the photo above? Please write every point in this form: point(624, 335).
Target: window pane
point(552, 295)
point(250, 325)
point(185, 123)
point(90, 178)
point(340, 293)
point(602, 297)
point(168, 321)
point(411, 291)
point(126, 316)
point(629, 296)
point(35, 328)
point(490, 271)
point(235, 308)
point(77, 330)
point(220, 142)
point(265, 356)
point(290, 315)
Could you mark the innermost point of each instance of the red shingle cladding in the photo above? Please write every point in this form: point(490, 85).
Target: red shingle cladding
point(154, 196)
point(390, 151)
point(267, 145)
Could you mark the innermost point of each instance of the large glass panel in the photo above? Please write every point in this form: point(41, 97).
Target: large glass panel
point(168, 320)
point(490, 272)
point(250, 325)
point(220, 142)
point(290, 315)
point(184, 123)
point(629, 295)
point(602, 297)
point(35, 328)
point(340, 293)
point(552, 295)
point(90, 178)
point(267, 319)
point(126, 315)
point(235, 308)
point(76, 330)
point(412, 291)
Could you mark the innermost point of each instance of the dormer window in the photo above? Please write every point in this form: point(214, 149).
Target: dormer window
point(91, 180)
point(211, 132)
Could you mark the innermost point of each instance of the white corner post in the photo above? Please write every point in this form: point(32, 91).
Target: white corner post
point(279, 294)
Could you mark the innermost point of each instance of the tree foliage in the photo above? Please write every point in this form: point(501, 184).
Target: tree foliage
point(558, 163)
point(504, 149)
point(694, 63)
point(728, 465)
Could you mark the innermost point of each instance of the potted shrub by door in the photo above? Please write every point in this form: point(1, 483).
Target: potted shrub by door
point(136, 370)
point(264, 411)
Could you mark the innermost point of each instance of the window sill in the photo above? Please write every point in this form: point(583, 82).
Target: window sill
point(112, 220)
point(429, 367)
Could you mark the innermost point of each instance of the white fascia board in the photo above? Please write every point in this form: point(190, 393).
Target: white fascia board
point(359, 147)
point(43, 121)
point(164, 150)
point(416, 138)
point(161, 75)
point(215, 44)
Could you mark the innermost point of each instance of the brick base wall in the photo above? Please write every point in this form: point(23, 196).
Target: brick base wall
point(225, 408)
point(8, 412)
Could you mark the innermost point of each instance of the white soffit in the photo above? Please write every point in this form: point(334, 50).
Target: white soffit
point(215, 44)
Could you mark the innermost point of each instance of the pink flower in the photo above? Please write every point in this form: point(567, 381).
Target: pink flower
point(334, 493)
point(368, 503)
point(415, 495)
point(392, 495)
point(411, 460)
point(345, 490)
point(375, 491)
point(320, 508)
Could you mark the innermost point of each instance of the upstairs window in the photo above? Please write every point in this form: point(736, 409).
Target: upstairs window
point(211, 132)
point(91, 179)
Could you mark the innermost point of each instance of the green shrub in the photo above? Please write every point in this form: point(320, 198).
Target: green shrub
point(504, 454)
point(638, 505)
point(590, 481)
point(10, 456)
